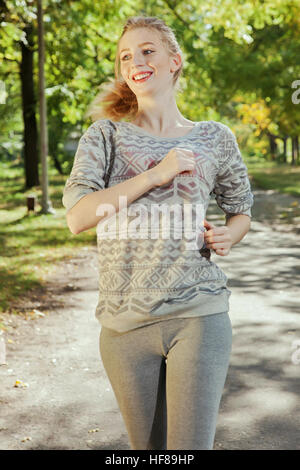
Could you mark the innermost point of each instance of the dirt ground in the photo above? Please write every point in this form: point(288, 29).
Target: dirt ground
point(54, 391)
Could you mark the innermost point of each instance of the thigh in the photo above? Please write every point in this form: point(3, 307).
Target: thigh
point(197, 366)
point(136, 371)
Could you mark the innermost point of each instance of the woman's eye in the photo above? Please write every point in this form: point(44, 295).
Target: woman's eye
point(145, 50)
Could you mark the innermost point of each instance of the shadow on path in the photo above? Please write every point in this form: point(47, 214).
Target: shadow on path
point(68, 402)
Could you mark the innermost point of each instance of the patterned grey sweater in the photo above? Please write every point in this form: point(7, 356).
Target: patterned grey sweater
point(148, 270)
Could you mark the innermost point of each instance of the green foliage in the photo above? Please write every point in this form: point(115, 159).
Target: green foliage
point(234, 52)
point(240, 59)
point(31, 244)
point(283, 178)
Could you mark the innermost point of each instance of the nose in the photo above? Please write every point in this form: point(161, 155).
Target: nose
point(137, 59)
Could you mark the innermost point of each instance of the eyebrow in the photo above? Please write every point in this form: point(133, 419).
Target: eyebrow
point(142, 44)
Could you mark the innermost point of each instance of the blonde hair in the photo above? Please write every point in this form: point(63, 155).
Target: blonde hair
point(117, 100)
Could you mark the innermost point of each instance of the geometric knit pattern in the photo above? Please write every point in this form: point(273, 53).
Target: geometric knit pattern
point(149, 271)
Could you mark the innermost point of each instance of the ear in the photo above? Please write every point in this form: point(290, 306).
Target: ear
point(175, 62)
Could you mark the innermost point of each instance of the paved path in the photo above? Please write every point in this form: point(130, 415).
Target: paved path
point(68, 402)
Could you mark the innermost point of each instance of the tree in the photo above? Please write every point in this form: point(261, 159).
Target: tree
point(235, 53)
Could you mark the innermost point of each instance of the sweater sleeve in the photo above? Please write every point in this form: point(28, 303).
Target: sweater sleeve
point(88, 169)
point(232, 187)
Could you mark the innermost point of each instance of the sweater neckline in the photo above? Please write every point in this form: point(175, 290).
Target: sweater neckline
point(142, 131)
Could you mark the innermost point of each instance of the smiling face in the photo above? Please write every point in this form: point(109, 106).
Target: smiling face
point(142, 50)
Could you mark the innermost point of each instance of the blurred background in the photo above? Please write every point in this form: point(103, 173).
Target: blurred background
point(242, 68)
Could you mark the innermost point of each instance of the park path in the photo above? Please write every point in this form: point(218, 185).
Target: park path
point(64, 400)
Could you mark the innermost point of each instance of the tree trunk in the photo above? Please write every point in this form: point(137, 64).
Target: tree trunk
point(293, 151)
point(284, 149)
point(273, 146)
point(30, 137)
point(57, 165)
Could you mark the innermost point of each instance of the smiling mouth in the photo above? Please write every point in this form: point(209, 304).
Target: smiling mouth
point(143, 79)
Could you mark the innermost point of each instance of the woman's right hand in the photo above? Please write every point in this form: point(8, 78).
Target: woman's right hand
point(178, 160)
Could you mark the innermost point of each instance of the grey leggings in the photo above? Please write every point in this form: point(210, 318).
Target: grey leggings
point(168, 379)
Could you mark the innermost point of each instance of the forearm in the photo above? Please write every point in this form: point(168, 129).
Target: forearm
point(238, 226)
point(83, 216)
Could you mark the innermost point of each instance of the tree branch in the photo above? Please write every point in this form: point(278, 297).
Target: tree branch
point(11, 60)
point(172, 7)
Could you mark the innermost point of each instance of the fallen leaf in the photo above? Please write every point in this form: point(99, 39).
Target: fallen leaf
point(26, 439)
point(94, 430)
point(33, 314)
point(20, 384)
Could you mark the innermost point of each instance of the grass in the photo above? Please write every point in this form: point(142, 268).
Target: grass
point(268, 175)
point(31, 245)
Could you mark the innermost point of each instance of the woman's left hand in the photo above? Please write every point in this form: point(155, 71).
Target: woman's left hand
point(218, 238)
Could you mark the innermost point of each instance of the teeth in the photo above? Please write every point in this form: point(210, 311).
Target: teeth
point(139, 77)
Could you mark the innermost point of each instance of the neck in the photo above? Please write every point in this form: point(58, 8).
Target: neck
point(159, 115)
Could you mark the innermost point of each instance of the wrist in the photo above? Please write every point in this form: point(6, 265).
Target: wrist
point(238, 225)
point(152, 176)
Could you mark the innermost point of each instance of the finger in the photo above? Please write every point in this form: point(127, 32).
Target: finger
point(208, 225)
point(187, 151)
point(222, 252)
point(188, 156)
point(211, 237)
point(217, 246)
point(219, 230)
point(216, 232)
point(217, 243)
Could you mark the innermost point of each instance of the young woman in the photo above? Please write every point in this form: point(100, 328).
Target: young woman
point(165, 338)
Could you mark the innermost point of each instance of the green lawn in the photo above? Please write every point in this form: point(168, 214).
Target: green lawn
point(31, 244)
point(267, 175)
